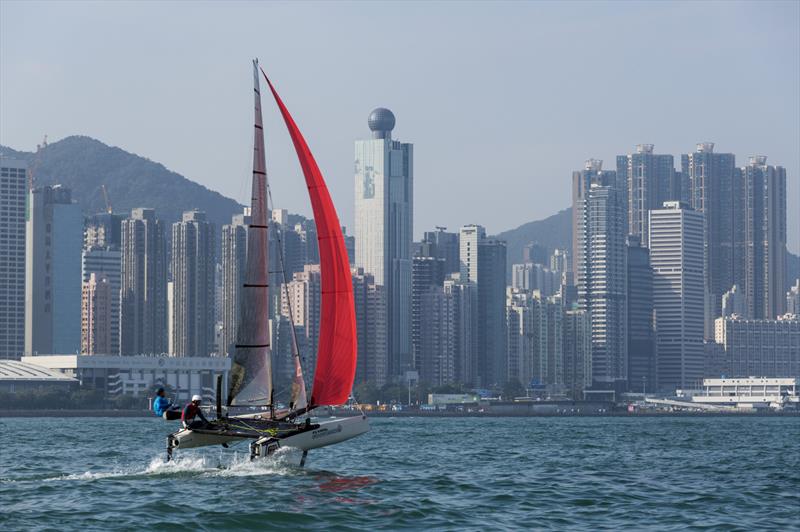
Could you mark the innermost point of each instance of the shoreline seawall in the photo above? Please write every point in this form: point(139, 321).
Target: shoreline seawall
point(49, 412)
point(9, 413)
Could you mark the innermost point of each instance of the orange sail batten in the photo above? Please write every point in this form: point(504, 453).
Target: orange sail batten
point(337, 351)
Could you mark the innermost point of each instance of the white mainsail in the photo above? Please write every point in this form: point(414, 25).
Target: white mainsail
point(251, 370)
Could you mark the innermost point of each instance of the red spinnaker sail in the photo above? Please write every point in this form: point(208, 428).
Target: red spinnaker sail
point(336, 355)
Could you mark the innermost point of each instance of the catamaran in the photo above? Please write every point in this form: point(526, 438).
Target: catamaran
point(250, 386)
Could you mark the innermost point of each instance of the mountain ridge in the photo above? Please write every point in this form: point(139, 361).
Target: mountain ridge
point(84, 164)
point(553, 232)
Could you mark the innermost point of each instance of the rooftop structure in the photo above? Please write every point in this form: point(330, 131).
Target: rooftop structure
point(16, 376)
point(749, 392)
point(381, 122)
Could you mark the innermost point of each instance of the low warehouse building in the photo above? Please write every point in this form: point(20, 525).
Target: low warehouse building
point(140, 375)
point(18, 376)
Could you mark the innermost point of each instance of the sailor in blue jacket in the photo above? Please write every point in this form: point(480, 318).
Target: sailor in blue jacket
point(161, 404)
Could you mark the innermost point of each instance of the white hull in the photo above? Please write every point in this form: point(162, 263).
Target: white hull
point(329, 432)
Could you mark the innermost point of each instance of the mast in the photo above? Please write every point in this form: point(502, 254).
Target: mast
point(251, 368)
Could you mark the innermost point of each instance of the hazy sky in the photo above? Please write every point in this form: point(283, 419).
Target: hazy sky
point(501, 100)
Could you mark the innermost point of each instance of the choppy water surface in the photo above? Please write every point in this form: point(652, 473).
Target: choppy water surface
point(547, 473)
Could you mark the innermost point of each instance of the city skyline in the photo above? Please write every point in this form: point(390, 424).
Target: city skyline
point(100, 236)
point(385, 265)
point(439, 322)
point(494, 357)
point(536, 123)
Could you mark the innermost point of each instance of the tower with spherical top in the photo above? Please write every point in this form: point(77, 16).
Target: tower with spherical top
point(381, 122)
point(384, 208)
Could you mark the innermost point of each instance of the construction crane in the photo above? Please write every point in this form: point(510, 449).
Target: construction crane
point(105, 198)
point(37, 159)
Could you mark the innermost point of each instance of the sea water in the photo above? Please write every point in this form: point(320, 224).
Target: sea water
point(653, 473)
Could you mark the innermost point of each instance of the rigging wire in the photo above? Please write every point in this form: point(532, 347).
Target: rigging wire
point(285, 285)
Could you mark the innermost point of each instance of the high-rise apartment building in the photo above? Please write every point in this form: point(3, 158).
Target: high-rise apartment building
point(437, 362)
point(13, 190)
point(96, 316)
point(350, 246)
point(103, 230)
point(641, 329)
point(745, 230)
point(143, 297)
point(301, 302)
point(193, 277)
point(292, 246)
point(535, 340)
point(491, 281)
point(234, 261)
point(483, 263)
point(710, 178)
point(170, 317)
point(535, 252)
point(734, 302)
point(524, 360)
point(469, 237)
point(54, 237)
point(649, 180)
point(535, 276)
point(676, 256)
point(442, 245)
point(793, 299)
point(297, 237)
point(561, 267)
point(524, 276)
point(464, 295)
point(432, 323)
point(559, 261)
point(102, 255)
point(682, 187)
point(370, 303)
point(384, 207)
point(577, 353)
point(600, 262)
point(581, 183)
point(554, 313)
point(427, 274)
point(106, 262)
point(219, 348)
point(282, 351)
point(761, 262)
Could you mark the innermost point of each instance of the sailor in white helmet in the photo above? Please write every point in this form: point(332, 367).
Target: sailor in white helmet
point(192, 411)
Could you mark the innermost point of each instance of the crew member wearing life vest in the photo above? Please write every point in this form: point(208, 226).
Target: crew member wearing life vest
point(192, 411)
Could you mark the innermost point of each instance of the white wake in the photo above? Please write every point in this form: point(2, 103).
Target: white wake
point(283, 462)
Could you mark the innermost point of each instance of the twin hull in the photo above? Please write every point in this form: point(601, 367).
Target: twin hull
point(329, 432)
